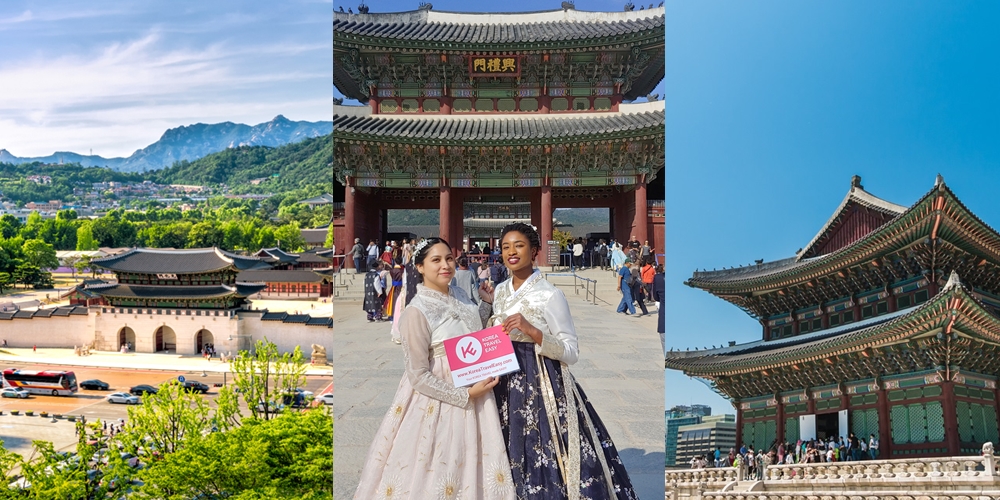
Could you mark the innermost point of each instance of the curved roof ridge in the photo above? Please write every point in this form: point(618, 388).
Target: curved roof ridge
point(856, 194)
point(499, 18)
point(623, 109)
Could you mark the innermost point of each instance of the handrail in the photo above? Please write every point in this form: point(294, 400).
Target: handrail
point(576, 286)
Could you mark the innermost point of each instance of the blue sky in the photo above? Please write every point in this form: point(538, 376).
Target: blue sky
point(114, 75)
point(465, 6)
point(773, 106)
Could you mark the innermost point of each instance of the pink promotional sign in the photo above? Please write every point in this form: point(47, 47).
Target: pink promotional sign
point(480, 355)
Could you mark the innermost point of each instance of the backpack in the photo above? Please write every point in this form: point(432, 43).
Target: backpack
point(630, 280)
point(602, 250)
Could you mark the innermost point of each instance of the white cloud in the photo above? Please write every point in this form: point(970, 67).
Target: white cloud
point(122, 96)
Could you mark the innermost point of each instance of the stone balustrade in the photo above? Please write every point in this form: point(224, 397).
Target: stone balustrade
point(952, 478)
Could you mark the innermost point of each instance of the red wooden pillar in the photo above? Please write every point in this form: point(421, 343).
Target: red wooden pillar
point(950, 418)
point(640, 221)
point(545, 222)
point(739, 425)
point(457, 221)
point(349, 234)
point(444, 209)
point(884, 426)
point(780, 428)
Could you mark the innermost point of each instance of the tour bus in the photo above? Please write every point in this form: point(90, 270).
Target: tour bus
point(44, 382)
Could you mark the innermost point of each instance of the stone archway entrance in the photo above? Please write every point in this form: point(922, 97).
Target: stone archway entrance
point(166, 339)
point(126, 335)
point(203, 337)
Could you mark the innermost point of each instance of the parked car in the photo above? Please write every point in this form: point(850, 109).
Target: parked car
point(142, 390)
point(14, 392)
point(271, 408)
point(195, 386)
point(305, 394)
point(95, 385)
point(124, 398)
point(326, 399)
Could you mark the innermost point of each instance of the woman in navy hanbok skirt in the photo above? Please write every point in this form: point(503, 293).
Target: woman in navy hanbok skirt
point(557, 445)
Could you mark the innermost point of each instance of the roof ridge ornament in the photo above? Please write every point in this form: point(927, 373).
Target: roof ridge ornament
point(856, 182)
point(569, 5)
point(939, 181)
point(953, 281)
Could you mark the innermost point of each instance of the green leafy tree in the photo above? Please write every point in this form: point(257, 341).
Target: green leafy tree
point(85, 237)
point(264, 376)
point(27, 273)
point(290, 237)
point(204, 235)
point(40, 254)
point(328, 243)
point(5, 280)
point(288, 457)
point(9, 226)
point(166, 420)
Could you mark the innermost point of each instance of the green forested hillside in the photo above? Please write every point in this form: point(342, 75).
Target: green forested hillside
point(303, 166)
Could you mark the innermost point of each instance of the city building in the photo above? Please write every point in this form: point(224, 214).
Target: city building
point(887, 322)
point(677, 417)
point(703, 438)
point(469, 108)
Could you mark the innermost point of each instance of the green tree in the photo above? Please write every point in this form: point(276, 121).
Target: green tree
point(265, 376)
point(27, 273)
point(85, 237)
point(40, 254)
point(328, 243)
point(204, 235)
point(166, 420)
point(288, 457)
point(9, 226)
point(290, 237)
point(5, 280)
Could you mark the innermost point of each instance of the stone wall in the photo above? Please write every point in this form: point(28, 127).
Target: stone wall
point(288, 335)
point(56, 331)
point(178, 324)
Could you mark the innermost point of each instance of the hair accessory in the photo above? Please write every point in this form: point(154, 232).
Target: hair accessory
point(420, 246)
point(533, 227)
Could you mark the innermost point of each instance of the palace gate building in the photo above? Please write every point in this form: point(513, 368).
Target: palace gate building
point(491, 108)
point(886, 323)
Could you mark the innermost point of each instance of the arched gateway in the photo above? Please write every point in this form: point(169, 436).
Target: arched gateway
point(203, 338)
point(126, 335)
point(166, 339)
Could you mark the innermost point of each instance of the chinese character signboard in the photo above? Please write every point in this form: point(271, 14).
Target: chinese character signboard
point(502, 65)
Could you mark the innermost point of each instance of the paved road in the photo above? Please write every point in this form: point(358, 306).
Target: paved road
point(17, 431)
point(620, 368)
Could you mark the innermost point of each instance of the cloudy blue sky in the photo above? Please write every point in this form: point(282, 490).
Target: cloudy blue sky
point(112, 76)
point(772, 106)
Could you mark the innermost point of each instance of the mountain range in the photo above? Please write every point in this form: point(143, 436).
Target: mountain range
point(192, 142)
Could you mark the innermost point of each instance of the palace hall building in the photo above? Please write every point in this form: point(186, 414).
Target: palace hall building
point(886, 323)
point(467, 113)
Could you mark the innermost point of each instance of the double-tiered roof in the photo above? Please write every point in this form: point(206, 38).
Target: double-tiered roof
point(869, 251)
point(442, 34)
point(204, 277)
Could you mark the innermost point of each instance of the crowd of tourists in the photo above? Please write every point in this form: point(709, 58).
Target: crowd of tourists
point(498, 439)
point(853, 448)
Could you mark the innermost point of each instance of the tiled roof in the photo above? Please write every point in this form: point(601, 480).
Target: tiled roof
point(496, 128)
point(277, 276)
point(62, 311)
point(539, 29)
point(166, 292)
point(304, 319)
point(278, 254)
point(199, 260)
point(312, 257)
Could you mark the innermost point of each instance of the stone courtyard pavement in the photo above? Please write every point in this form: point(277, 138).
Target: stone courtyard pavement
point(620, 369)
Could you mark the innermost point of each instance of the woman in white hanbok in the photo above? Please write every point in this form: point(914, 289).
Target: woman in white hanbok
point(557, 444)
point(437, 441)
